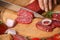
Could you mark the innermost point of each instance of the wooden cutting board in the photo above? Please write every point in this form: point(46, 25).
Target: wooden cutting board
point(29, 30)
point(5, 37)
point(20, 2)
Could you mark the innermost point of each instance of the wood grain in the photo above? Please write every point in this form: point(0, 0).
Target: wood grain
point(29, 30)
point(20, 2)
point(5, 37)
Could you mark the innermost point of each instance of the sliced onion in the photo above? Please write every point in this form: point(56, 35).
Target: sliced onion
point(46, 20)
point(10, 31)
point(10, 22)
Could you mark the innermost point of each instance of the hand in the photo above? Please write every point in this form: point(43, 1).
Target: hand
point(46, 4)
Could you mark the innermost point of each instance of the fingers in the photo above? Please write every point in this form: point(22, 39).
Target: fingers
point(41, 4)
point(55, 2)
point(50, 4)
point(46, 5)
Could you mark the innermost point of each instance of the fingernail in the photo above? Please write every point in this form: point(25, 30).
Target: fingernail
point(50, 8)
point(42, 8)
point(46, 9)
point(55, 3)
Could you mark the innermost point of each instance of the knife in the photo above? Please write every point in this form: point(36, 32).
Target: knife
point(16, 8)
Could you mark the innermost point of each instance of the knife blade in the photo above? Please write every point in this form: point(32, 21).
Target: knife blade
point(16, 8)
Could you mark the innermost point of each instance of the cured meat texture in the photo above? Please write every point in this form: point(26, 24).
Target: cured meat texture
point(48, 28)
point(24, 16)
point(34, 6)
point(55, 16)
point(44, 27)
point(55, 23)
point(3, 28)
point(18, 37)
